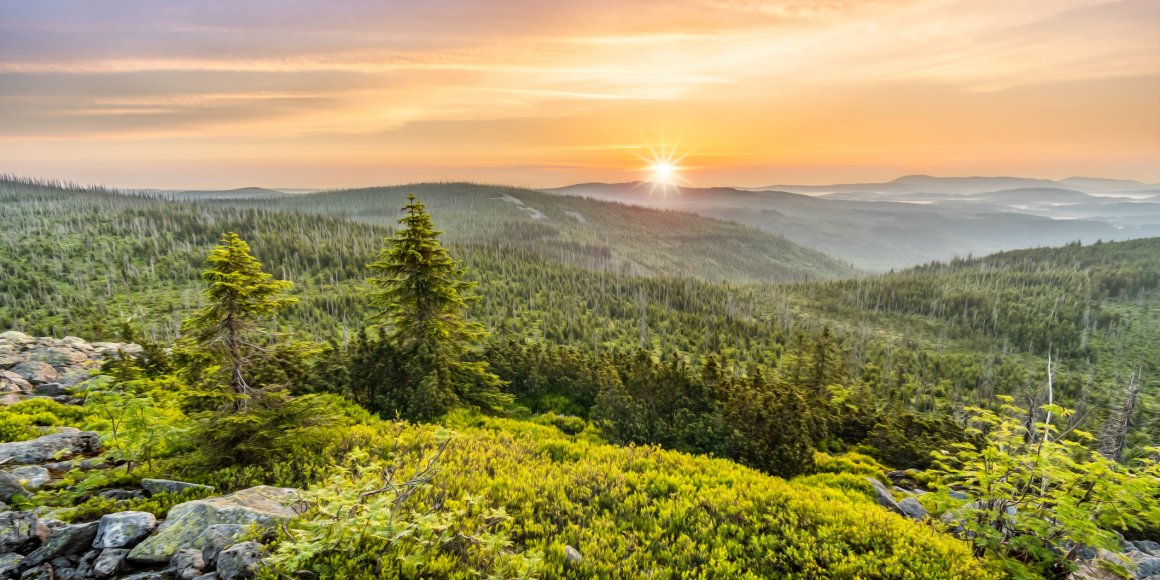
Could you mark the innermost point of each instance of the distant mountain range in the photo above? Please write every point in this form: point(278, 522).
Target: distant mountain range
point(916, 219)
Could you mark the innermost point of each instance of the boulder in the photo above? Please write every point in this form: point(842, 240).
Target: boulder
point(1152, 548)
point(31, 476)
point(156, 486)
point(10, 487)
point(263, 506)
point(63, 569)
point(188, 563)
point(9, 563)
point(956, 494)
point(883, 496)
point(42, 572)
point(162, 575)
point(21, 531)
point(16, 337)
point(52, 447)
point(1146, 565)
point(37, 372)
point(123, 529)
point(216, 538)
point(210, 576)
point(71, 540)
point(912, 509)
point(85, 565)
point(50, 390)
point(572, 555)
point(239, 561)
point(109, 562)
point(11, 382)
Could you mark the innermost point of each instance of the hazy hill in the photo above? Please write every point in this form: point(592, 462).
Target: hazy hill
point(240, 193)
point(879, 232)
point(588, 233)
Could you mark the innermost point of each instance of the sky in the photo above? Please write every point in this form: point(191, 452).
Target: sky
point(313, 94)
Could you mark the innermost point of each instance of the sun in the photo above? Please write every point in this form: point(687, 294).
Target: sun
point(663, 173)
point(663, 167)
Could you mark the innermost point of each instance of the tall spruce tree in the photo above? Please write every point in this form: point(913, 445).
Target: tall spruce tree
point(240, 296)
point(421, 298)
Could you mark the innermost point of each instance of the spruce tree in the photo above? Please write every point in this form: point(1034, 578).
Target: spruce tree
point(240, 295)
point(421, 298)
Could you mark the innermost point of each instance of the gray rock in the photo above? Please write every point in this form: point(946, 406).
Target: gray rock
point(239, 561)
point(37, 372)
point(31, 476)
point(156, 486)
point(572, 555)
point(122, 494)
point(85, 565)
point(10, 399)
point(883, 496)
point(162, 575)
point(1146, 565)
point(50, 390)
point(21, 531)
point(16, 337)
point(10, 487)
point(42, 572)
point(1152, 548)
point(123, 529)
point(216, 538)
point(264, 506)
point(109, 562)
point(956, 494)
point(912, 509)
point(188, 563)
point(210, 576)
point(72, 540)
point(63, 569)
point(9, 563)
point(53, 447)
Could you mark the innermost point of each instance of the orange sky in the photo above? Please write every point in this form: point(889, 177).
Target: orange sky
point(293, 93)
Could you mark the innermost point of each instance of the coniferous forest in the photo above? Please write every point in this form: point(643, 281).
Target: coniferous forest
point(464, 381)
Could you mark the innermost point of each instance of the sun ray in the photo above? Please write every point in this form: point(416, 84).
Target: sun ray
point(663, 167)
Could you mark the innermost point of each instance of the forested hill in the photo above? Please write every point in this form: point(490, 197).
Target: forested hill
point(588, 233)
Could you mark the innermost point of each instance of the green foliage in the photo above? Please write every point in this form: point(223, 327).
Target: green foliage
point(141, 419)
point(370, 521)
point(421, 297)
point(22, 420)
point(851, 463)
point(240, 295)
point(1037, 494)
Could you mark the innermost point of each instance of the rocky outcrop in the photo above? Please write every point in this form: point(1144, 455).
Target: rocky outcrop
point(263, 505)
point(200, 539)
point(66, 443)
point(48, 367)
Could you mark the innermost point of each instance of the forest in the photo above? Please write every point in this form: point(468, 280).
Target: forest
point(462, 385)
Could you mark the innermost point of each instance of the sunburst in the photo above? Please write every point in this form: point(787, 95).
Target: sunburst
point(663, 165)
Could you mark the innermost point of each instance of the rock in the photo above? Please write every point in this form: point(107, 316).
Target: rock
point(188, 563)
point(52, 447)
point(239, 561)
point(123, 529)
point(122, 494)
point(216, 538)
point(72, 540)
point(50, 390)
point(1146, 565)
point(42, 572)
point(109, 562)
point(63, 568)
point(162, 575)
point(37, 372)
point(572, 555)
point(262, 505)
point(210, 576)
point(20, 531)
point(31, 476)
point(15, 337)
point(956, 494)
point(883, 496)
point(85, 565)
point(156, 486)
point(10, 399)
point(912, 509)
point(9, 563)
point(15, 382)
point(1152, 548)
point(10, 487)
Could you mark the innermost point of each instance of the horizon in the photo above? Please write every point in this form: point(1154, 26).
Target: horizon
point(748, 94)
